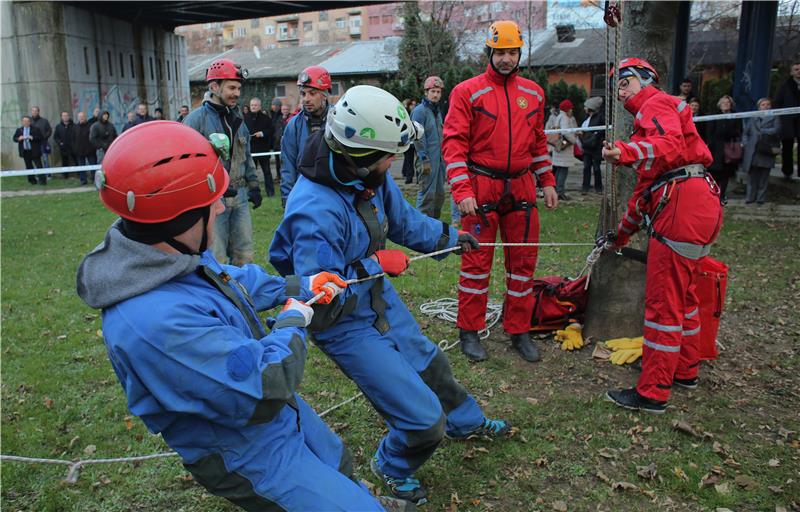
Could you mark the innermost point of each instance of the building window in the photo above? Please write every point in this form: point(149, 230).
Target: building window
point(307, 27)
point(176, 71)
point(355, 22)
point(280, 90)
point(497, 6)
point(133, 67)
point(340, 23)
point(121, 65)
point(255, 23)
point(240, 32)
point(598, 82)
point(110, 64)
point(386, 18)
point(271, 46)
point(323, 15)
point(374, 20)
point(86, 59)
point(152, 73)
point(283, 30)
point(335, 88)
point(169, 72)
point(269, 30)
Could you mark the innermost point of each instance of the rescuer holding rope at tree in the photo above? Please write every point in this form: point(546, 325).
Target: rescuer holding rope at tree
point(678, 204)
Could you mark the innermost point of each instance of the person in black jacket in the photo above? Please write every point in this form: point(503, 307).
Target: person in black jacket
point(592, 145)
point(261, 134)
point(63, 135)
point(789, 96)
point(83, 147)
point(717, 134)
point(29, 140)
point(102, 134)
point(44, 126)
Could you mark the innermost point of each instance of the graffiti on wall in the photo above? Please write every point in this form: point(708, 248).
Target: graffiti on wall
point(119, 101)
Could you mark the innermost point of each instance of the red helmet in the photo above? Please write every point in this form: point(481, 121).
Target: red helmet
point(638, 68)
point(158, 170)
point(225, 69)
point(433, 81)
point(316, 77)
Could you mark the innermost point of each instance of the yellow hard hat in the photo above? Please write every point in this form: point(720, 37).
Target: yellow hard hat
point(504, 34)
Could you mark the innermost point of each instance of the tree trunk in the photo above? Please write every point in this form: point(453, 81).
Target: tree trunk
point(616, 290)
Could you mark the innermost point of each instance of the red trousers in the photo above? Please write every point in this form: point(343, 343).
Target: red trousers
point(520, 262)
point(671, 315)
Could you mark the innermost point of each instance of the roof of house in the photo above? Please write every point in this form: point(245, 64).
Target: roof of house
point(354, 58)
point(708, 47)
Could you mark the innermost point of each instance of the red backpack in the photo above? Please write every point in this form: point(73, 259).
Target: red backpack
point(558, 301)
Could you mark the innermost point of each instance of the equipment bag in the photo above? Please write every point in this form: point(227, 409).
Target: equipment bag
point(711, 295)
point(558, 301)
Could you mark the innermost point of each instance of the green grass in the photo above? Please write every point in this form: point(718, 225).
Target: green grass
point(570, 441)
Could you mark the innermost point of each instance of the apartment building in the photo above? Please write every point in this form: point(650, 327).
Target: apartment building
point(350, 24)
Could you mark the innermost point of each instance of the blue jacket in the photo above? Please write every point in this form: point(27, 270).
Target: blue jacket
point(429, 149)
point(322, 230)
point(293, 142)
point(241, 168)
point(190, 364)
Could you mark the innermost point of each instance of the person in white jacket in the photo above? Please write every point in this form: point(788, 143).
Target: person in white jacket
point(563, 157)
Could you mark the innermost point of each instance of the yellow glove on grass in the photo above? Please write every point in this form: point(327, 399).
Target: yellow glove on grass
point(571, 338)
point(626, 350)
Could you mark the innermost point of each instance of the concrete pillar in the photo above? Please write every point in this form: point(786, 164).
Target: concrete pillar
point(62, 57)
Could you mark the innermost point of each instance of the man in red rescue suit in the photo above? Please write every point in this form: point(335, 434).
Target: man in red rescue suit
point(496, 151)
point(679, 206)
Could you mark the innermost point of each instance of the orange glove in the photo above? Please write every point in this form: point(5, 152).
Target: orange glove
point(328, 283)
point(393, 261)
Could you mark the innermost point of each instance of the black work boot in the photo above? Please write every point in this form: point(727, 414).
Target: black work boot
point(526, 348)
point(471, 346)
point(631, 399)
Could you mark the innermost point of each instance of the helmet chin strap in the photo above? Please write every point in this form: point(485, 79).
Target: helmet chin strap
point(183, 248)
point(361, 172)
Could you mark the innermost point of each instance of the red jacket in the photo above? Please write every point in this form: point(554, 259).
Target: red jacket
point(495, 121)
point(664, 139)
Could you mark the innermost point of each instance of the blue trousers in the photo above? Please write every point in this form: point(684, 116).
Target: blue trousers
point(408, 380)
point(302, 468)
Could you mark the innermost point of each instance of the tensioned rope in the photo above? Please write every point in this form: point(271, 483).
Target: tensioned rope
point(75, 466)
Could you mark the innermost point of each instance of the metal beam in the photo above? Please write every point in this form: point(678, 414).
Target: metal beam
point(753, 57)
point(677, 70)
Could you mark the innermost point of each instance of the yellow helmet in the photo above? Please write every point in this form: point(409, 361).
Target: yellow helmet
point(504, 34)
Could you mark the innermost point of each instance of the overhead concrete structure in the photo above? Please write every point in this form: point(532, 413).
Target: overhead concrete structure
point(65, 58)
point(75, 56)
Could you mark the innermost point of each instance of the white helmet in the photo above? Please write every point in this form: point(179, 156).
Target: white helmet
point(368, 117)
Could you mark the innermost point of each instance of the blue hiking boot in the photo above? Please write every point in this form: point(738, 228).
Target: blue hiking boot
point(493, 429)
point(407, 488)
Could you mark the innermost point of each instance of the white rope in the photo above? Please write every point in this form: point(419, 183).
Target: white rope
point(75, 466)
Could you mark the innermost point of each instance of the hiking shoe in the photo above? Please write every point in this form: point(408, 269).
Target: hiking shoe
point(631, 399)
point(525, 347)
point(471, 346)
point(685, 383)
point(493, 429)
point(408, 488)
point(390, 504)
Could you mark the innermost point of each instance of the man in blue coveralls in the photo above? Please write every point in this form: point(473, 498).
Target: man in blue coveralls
point(432, 173)
point(343, 208)
point(315, 85)
point(185, 339)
